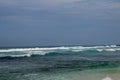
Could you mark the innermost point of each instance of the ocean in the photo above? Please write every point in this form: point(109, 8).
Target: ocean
point(60, 63)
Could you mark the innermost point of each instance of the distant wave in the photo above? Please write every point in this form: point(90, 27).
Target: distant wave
point(28, 52)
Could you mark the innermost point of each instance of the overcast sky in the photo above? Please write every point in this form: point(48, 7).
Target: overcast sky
point(59, 22)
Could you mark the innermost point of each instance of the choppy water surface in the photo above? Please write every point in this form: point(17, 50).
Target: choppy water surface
point(60, 63)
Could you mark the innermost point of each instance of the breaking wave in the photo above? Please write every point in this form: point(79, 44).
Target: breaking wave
point(28, 52)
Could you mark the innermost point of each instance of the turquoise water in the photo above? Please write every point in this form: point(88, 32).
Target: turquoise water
point(60, 63)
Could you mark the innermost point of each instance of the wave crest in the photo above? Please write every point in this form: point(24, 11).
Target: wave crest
point(28, 52)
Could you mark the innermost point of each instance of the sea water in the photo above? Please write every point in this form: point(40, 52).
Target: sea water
point(60, 63)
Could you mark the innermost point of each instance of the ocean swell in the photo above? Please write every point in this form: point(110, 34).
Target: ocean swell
point(28, 52)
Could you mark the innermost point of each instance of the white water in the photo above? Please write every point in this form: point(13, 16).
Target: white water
point(21, 52)
point(99, 48)
point(107, 78)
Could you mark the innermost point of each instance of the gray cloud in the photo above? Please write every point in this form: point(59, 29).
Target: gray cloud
point(65, 20)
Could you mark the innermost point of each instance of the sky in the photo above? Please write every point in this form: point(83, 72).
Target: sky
point(59, 22)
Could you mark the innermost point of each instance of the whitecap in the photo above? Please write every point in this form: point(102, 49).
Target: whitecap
point(110, 50)
point(113, 45)
point(99, 50)
point(21, 52)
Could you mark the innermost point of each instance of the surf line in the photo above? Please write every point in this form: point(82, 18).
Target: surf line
point(107, 78)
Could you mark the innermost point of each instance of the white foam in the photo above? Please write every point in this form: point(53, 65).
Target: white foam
point(99, 50)
point(61, 48)
point(26, 49)
point(113, 45)
point(39, 52)
point(110, 49)
point(21, 52)
point(107, 78)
